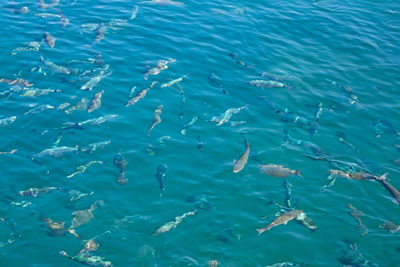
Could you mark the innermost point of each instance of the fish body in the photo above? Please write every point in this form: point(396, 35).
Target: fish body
point(32, 46)
point(355, 213)
point(93, 82)
point(39, 92)
point(92, 147)
point(283, 219)
point(7, 121)
point(156, 119)
point(47, 15)
point(392, 190)
point(82, 168)
point(172, 82)
point(380, 125)
point(242, 161)
point(173, 224)
point(100, 31)
point(98, 120)
point(160, 176)
point(95, 103)
point(343, 139)
point(121, 163)
point(38, 109)
point(215, 81)
point(190, 123)
point(160, 66)
point(34, 192)
point(18, 81)
point(352, 175)
point(54, 67)
point(391, 227)
point(225, 117)
point(265, 83)
point(140, 95)
point(87, 259)
point(162, 2)
point(56, 152)
point(50, 40)
point(278, 170)
point(134, 12)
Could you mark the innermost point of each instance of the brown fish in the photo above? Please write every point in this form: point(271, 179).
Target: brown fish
point(355, 213)
point(18, 81)
point(95, 103)
point(283, 219)
point(391, 227)
point(352, 175)
point(156, 118)
point(392, 190)
point(50, 40)
point(241, 162)
point(139, 95)
point(278, 170)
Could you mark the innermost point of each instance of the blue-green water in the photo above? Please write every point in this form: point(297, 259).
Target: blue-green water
point(342, 54)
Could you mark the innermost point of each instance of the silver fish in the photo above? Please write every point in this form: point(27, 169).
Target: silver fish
point(50, 40)
point(38, 109)
point(391, 227)
point(100, 31)
point(172, 82)
point(134, 12)
point(225, 117)
point(98, 120)
point(47, 15)
point(32, 46)
point(39, 92)
point(34, 192)
point(283, 219)
point(160, 66)
point(173, 224)
point(92, 147)
point(96, 101)
point(54, 67)
point(7, 121)
point(140, 95)
point(266, 83)
point(156, 118)
point(56, 152)
point(162, 2)
point(392, 190)
point(187, 125)
point(278, 170)
point(81, 105)
point(242, 161)
point(82, 168)
point(94, 81)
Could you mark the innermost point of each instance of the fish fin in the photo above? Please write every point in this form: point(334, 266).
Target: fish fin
point(383, 177)
point(314, 158)
point(298, 173)
point(260, 231)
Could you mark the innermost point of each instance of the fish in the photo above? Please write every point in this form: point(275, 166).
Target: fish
point(95, 103)
point(100, 31)
point(172, 82)
point(161, 143)
point(352, 257)
point(7, 121)
point(92, 147)
point(160, 66)
point(187, 125)
point(58, 228)
point(10, 152)
point(98, 120)
point(42, 4)
point(134, 12)
point(160, 176)
point(47, 15)
point(396, 162)
point(56, 152)
point(156, 119)
point(50, 40)
point(225, 117)
point(140, 95)
point(54, 67)
point(34, 192)
point(352, 175)
point(283, 219)
point(162, 2)
point(346, 89)
point(18, 81)
point(173, 224)
point(266, 83)
point(38, 109)
point(31, 46)
point(81, 105)
point(132, 91)
point(84, 216)
point(237, 59)
point(21, 11)
point(355, 213)
point(278, 170)
point(215, 81)
point(343, 139)
point(64, 21)
point(391, 227)
point(380, 125)
point(121, 163)
point(87, 259)
point(242, 161)
point(392, 190)
point(82, 168)
point(94, 81)
point(39, 92)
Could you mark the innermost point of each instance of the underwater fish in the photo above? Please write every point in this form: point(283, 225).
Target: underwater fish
point(140, 95)
point(54, 67)
point(87, 259)
point(32, 46)
point(98, 120)
point(173, 224)
point(187, 125)
point(94, 81)
point(355, 213)
point(279, 171)
point(352, 257)
point(10, 152)
point(92, 147)
point(215, 81)
point(38, 109)
point(238, 60)
point(50, 40)
point(172, 82)
point(121, 163)
point(160, 176)
point(380, 125)
point(18, 81)
point(39, 92)
point(160, 66)
point(156, 119)
point(7, 121)
point(42, 4)
point(283, 219)
point(100, 31)
point(392, 190)
point(84, 216)
point(162, 2)
point(56, 152)
point(64, 21)
point(82, 168)
point(134, 12)
point(225, 117)
point(21, 11)
point(391, 227)
point(95, 103)
point(343, 139)
point(58, 228)
point(47, 15)
point(352, 175)
point(34, 192)
point(242, 161)
point(266, 83)
point(81, 105)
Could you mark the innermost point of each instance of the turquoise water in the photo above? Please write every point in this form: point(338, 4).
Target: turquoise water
point(342, 54)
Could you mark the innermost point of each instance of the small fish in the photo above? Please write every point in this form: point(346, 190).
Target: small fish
point(94, 81)
point(99, 120)
point(64, 21)
point(95, 103)
point(172, 82)
point(380, 125)
point(63, 106)
point(21, 11)
point(343, 139)
point(42, 4)
point(140, 95)
point(156, 119)
point(283, 219)
point(199, 144)
point(47, 15)
point(278, 170)
point(121, 163)
point(173, 224)
point(160, 176)
point(392, 190)
point(10, 152)
point(38, 109)
point(56, 152)
point(160, 66)
point(352, 175)
point(238, 60)
point(50, 40)
point(225, 117)
point(7, 121)
point(84, 216)
point(22, 203)
point(34, 192)
point(355, 213)
point(187, 125)
point(100, 31)
point(215, 81)
point(39, 92)
point(92, 147)
point(32, 46)
point(82, 168)
point(132, 91)
point(57, 228)
point(162, 2)
point(242, 161)
point(18, 81)
point(75, 195)
point(54, 67)
point(88, 259)
point(266, 83)
point(391, 227)
point(134, 12)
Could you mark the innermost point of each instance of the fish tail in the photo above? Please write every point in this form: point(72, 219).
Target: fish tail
point(382, 177)
point(246, 143)
point(298, 173)
point(260, 231)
